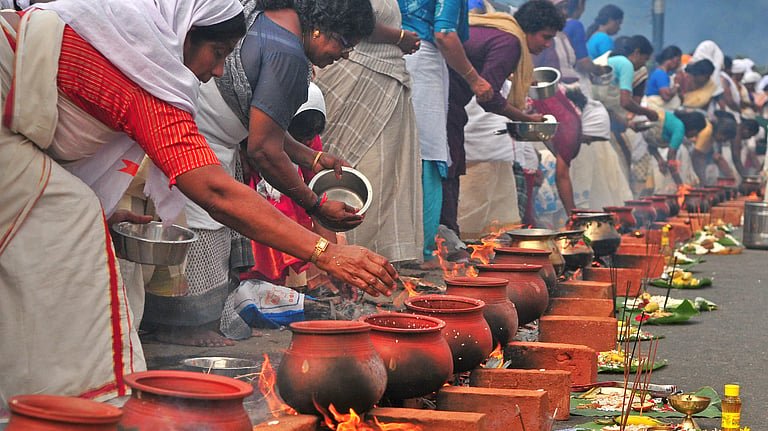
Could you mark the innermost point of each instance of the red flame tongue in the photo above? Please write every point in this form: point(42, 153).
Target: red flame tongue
point(267, 379)
point(336, 421)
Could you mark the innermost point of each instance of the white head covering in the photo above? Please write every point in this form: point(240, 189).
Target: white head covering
point(145, 38)
point(709, 50)
point(762, 84)
point(740, 65)
point(315, 100)
point(751, 77)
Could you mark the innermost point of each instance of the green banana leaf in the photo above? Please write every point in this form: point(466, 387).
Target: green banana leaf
point(608, 369)
point(682, 313)
point(713, 411)
point(659, 282)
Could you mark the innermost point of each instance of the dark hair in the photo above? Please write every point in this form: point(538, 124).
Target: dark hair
point(668, 53)
point(641, 44)
point(576, 96)
point(607, 13)
point(725, 125)
point(573, 5)
point(751, 126)
point(692, 120)
point(537, 15)
point(307, 125)
point(621, 46)
point(233, 28)
point(727, 62)
point(702, 67)
point(352, 19)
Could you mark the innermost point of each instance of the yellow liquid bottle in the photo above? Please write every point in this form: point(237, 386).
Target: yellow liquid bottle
point(731, 407)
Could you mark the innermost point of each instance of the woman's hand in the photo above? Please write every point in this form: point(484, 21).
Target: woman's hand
point(338, 215)
point(359, 267)
point(329, 161)
point(480, 87)
point(410, 42)
point(125, 215)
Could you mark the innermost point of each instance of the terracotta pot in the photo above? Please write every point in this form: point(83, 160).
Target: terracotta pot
point(714, 195)
point(575, 250)
point(659, 203)
point(334, 362)
point(525, 288)
point(58, 413)
point(643, 212)
point(623, 219)
point(531, 256)
point(599, 231)
point(752, 184)
point(673, 204)
point(183, 400)
point(696, 202)
point(499, 311)
point(539, 239)
point(466, 331)
point(726, 181)
point(415, 353)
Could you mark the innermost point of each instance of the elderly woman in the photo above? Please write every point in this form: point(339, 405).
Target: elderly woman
point(70, 144)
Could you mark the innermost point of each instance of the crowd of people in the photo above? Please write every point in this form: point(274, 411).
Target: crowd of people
point(215, 114)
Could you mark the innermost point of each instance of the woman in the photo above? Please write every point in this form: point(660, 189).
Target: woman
point(660, 91)
point(607, 23)
point(265, 80)
point(72, 332)
point(372, 125)
point(700, 87)
point(669, 133)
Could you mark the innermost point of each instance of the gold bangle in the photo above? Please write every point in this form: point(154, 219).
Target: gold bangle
point(402, 35)
point(317, 159)
point(320, 246)
point(469, 72)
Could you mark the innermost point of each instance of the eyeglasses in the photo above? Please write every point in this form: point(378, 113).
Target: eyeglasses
point(346, 47)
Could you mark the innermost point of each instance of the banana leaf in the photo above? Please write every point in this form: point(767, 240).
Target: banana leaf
point(713, 411)
point(660, 282)
point(619, 369)
point(682, 313)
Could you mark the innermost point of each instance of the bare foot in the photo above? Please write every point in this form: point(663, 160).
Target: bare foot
point(198, 336)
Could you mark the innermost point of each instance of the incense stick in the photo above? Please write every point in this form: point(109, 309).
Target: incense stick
point(669, 283)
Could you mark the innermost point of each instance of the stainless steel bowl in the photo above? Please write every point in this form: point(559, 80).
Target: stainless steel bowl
point(222, 366)
point(152, 243)
point(524, 131)
point(546, 80)
point(353, 188)
point(604, 78)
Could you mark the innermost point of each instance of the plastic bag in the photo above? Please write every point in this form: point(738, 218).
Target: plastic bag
point(260, 304)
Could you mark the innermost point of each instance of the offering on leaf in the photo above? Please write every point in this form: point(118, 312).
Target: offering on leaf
point(613, 361)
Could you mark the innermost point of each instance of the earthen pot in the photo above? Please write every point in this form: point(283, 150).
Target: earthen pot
point(499, 311)
point(726, 181)
point(599, 231)
point(752, 184)
point(696, 202)
point(673, 203)
point(643, 212)
point(415, 352)
point(659, 203)
point(332, 362)
point(714, 195)
point(709, 195)
point(466, 331)
point(623, 219)
point(58, 413)
point(539, 239)
point(184, 400)
point(575, 250)
point(525, 288)
point(517, 255)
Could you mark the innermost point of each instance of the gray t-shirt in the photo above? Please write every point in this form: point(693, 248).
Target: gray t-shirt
point(277, 69)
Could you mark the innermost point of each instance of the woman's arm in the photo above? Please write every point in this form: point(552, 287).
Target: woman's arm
point(450, 46)
point(408, 41)
point(629, 103)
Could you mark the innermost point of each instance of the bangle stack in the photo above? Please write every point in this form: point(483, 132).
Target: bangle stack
point(316, 207)
point(320, 246)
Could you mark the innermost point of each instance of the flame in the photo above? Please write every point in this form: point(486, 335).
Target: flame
point(752, 196)
point(471, 272)
point(267, 379)
point(484, 252)
point(451, 269)
point(682, 190)
point(409, 292)
point(497, 353)
point(353, 422)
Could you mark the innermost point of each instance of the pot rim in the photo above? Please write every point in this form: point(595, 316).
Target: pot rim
point(229, 388)
point(523, 251)
point(532, 233)
point(473, 304)
point(78, 410)
point(655, 198)
point(640, 202)
point(509, 267)
point(321, 327)
point(617, 209)
point(476, 281)
point(437, 324)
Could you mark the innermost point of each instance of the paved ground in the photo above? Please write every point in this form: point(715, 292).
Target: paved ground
point(723, 346)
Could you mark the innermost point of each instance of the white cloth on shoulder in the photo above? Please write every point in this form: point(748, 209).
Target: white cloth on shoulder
point(145, 38)
point(710, 51)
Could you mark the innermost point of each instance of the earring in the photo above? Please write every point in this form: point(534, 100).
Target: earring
point(316, 34)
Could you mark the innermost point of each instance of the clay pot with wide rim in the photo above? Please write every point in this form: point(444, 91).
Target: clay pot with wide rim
point(499, 311)
point(531, 256)
point(623, 219)
point(525, 288)
point(415, 353)
point(59, 413)
point(183, 400)
point(708, 194)
point(539, 239)
point(752, 184)
point(599, 231)
point(672, 203)
point(696, 202)
point(659, 203)
point(575, 250)
point(466, 331)
point(643, 212)
point(334, 362)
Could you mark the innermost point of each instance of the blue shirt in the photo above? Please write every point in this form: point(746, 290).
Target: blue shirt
point(658, 80)
point(623, 72)
point(673, 130)
point(574, 29)
point(427, 17)
point(598, 44)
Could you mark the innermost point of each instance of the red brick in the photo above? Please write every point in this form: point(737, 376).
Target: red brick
point(728, 214)
point(432, 420)
point(290, 423)
point(583, 289)
point(580, 361)
point(651, 265)
point(651, 248)
point(622, 275)
point(556, 383)
point(598, 333)
point(580, 307)
point(499, 406)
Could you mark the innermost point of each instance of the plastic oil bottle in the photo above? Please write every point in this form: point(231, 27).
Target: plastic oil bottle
point(731, 407)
